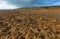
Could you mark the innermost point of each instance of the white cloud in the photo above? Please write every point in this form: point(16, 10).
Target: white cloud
point(4, 5)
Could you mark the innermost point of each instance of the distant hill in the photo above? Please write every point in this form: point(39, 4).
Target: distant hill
point(52, 11)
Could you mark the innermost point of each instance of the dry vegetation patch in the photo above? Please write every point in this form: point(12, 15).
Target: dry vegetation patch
point(28, 26)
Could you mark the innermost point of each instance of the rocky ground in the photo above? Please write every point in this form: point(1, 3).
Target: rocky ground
point(17, 25)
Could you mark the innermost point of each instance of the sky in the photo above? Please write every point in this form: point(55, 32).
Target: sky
point(13, 4)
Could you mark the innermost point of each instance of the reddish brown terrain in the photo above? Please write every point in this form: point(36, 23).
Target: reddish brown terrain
point(30, 23)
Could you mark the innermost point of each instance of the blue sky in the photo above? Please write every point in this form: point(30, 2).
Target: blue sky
point(12, 4)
